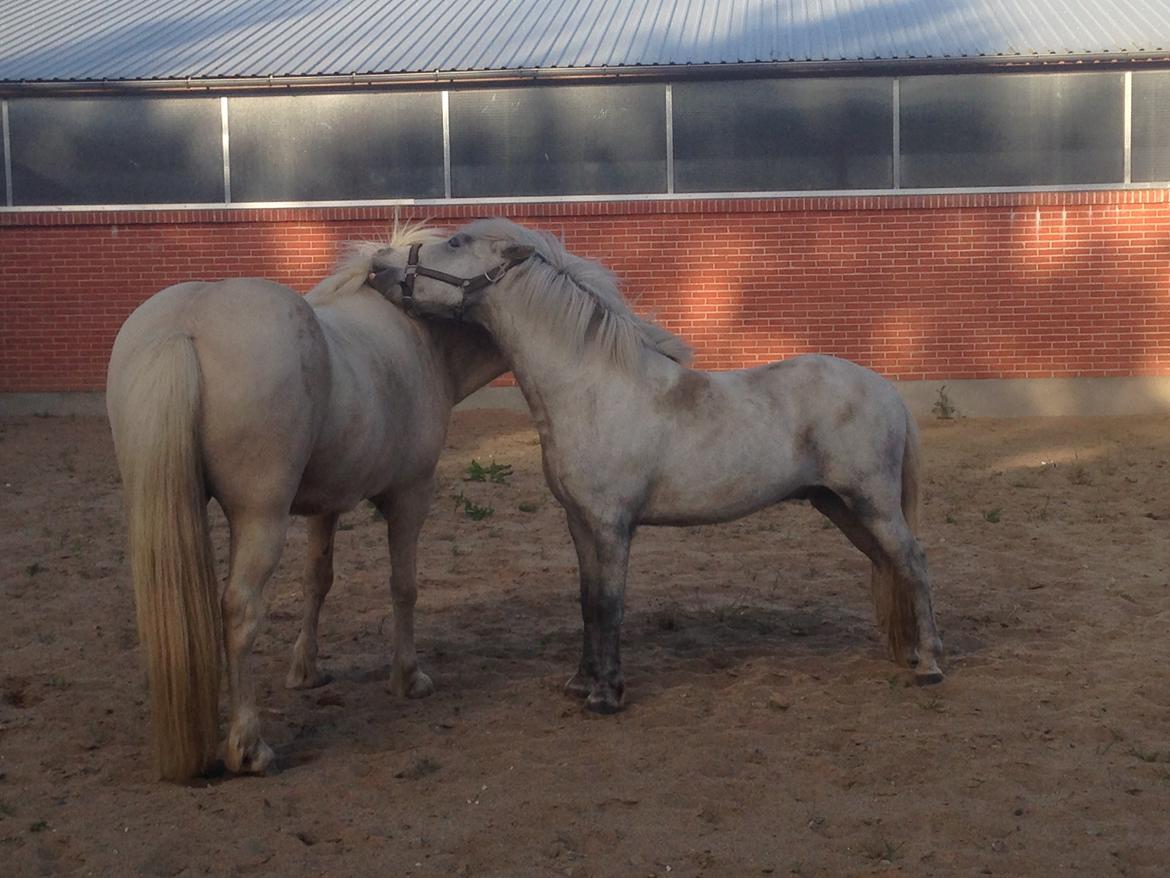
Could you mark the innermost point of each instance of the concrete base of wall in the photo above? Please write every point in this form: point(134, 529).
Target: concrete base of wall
point(1040, 397)
point(987, 398)
point(41, 404)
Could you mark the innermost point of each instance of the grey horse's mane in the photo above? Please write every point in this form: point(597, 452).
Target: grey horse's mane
point(579, 298)
point(353, 265)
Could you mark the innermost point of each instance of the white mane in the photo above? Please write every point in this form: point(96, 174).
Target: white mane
point(578, 298)
point(353, 266)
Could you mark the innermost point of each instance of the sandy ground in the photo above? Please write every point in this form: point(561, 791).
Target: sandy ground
point(766, 734)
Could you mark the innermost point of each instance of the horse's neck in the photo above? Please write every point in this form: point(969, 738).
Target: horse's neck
point(470, 357)
point(550, 376)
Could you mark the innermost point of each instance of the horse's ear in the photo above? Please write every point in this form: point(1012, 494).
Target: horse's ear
point(518, 252)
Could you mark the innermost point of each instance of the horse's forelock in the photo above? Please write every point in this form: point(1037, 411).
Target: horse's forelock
point(405, 234)
point(353, 263)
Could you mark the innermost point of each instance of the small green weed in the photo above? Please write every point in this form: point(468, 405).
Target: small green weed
point(470, 508)
point(499, 473)
point(527, 507)
point(476, 512)
point(944, 408)
point(39, 826)
point(992, 515)
point(33, 569)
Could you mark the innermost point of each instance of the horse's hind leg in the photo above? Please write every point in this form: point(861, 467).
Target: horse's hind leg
point(908, 588)
point(257, 541)
point(304, 673)
point(405, 513)
point(901, 586)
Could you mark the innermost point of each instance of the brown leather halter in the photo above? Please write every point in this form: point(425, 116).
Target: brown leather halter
point(467, 285)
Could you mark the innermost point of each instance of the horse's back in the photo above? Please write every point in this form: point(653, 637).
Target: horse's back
point(842, 380)
point(264, 378)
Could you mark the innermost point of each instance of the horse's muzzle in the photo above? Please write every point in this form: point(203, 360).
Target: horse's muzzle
point(386, 281)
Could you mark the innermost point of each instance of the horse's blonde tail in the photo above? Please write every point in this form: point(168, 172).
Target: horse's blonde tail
point(154, 412)
point(893, 600)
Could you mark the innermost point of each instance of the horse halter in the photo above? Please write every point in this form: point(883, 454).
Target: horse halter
point(468, 285)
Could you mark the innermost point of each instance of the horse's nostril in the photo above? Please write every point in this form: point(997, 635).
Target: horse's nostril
point(384, 280)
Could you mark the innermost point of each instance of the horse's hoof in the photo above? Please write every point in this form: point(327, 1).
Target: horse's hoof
point(256, 759)
point(602, 706)
point(300, 678)
point(418, 686)
point(605, 701)
point(421, 686)
point(929, 678)
point(579, 685)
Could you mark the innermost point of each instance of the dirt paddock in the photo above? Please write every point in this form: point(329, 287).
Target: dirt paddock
point(765, 732)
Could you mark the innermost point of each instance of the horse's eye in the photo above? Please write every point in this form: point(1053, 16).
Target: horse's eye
point(454, 242)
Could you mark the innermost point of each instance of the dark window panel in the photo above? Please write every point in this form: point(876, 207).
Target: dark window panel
point(1012, 129)
point(1150, 143)
point(774, 135)
point(116, 150)
point(4, 161)
point(562, 140)
point(336, 147)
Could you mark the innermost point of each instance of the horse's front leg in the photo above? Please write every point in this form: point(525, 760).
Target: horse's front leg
point(256, 544)
point(582, 682)
point(608, 607)
point(405, 513)
point(304, 673)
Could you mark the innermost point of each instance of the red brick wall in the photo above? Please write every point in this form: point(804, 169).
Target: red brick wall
point(918, 287)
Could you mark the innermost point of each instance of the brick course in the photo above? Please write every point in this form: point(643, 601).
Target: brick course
point(994, 285)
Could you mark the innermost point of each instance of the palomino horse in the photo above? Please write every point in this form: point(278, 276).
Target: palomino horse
point(275, 405)
point(632, 436)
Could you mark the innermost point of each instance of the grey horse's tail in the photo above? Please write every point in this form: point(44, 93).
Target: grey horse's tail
point(892, 599)
point(154, 408)
point(910, 475)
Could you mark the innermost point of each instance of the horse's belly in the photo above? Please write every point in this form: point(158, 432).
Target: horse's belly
point(322, 503)
point(690, 502)
point(377, 461)
point(331, 486)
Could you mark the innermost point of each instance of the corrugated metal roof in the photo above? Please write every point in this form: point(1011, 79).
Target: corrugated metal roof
point(120, 40)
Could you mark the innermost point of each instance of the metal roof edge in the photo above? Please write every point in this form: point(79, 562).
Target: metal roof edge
point(519, 76)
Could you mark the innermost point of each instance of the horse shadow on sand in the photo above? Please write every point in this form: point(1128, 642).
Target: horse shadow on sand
point(521, 651)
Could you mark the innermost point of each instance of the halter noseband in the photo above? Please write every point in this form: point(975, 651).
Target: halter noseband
point(468, 285)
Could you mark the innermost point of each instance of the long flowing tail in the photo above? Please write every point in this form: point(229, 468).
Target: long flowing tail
point(892, 598)
point(154, 408)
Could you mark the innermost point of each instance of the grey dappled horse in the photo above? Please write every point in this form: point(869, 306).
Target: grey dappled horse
point(632, 436)
point(275, 405)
